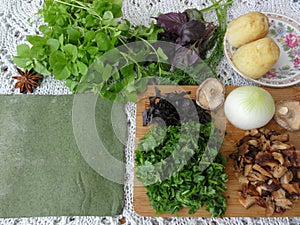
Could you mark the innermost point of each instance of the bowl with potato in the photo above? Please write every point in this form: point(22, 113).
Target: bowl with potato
point(264, 47)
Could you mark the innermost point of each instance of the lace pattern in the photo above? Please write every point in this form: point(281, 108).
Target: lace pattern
point(15, 25)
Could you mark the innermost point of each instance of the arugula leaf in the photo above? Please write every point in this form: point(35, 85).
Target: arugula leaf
point(57, 57)
point(82, 68)
point(61, 70)
point(36, 40)
point(53, 44)
point(73, 34)
point(71, 52)
point(40, 68)
point(103, 41)
point(23, 50)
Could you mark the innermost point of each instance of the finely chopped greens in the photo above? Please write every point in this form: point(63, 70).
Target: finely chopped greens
point(179, 163)
point(169, 165)
point(77, 34)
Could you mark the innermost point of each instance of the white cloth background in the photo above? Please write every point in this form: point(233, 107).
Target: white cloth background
point(14, 26)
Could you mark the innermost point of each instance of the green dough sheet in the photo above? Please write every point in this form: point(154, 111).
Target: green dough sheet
point(46, 170)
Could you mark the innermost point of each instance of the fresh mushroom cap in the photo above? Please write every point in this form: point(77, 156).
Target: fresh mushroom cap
point(287, 114)
point(211, 94)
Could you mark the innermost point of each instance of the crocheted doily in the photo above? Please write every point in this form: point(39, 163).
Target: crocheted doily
point(14, 26)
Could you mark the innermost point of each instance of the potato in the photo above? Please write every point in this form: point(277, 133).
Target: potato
point(256, 58)
point(247, 28)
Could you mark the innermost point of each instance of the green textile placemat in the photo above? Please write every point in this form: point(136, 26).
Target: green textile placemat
point(42, 169)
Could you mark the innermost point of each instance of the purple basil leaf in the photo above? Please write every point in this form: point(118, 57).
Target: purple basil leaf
point(172, 22)
point(191, 31)
point(185, 56)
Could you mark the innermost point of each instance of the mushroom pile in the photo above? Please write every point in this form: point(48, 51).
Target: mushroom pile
point(267, 166)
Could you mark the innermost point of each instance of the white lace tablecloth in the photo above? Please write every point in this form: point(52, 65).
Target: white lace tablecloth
point(14, 26)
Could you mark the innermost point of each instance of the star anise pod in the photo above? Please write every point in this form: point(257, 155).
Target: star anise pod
point(27, 80)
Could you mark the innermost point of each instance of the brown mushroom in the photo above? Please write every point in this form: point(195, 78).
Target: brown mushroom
point(292, 188)
point(270, 207)
point(283, 203)
point(286, 178)
point(280, 137)
point(252, 132)
point(210, 94)
point(279, 171)
point(244, 191)
point(278, 145)
point(261, 189)
point(271, 164)
point(248, 201)
point(252, 190)
point(242, 179)
point(247, 169)
point(272, 186)
point(293, 156)
point(261, 202)
point(262, 170)
point(265, 159)
point(248, 159)
point(244, 148)
point(268, 170)
point(254, 143)
point(287, 114)
point(266, 145)
point(255, 176)
point(279, 157)
point(280, 193)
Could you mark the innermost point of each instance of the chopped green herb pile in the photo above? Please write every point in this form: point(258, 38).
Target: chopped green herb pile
point(178, 160)
point(78, 33)
point(181, 169)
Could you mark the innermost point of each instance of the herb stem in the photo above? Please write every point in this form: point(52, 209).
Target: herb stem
point(221, 11)
point(157, 56)
point(80, 6)
point(216, 5)
point(126, 57)
point(69, 4)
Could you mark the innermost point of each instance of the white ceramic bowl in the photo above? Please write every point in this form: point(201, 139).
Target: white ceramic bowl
point(286, 33)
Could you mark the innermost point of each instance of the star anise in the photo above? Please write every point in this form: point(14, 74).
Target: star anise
point(27, 80)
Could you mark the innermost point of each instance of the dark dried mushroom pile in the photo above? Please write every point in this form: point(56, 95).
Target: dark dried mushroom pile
point(173, 109)
point(268, 168)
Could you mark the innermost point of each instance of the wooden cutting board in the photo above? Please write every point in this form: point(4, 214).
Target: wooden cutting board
point(234, 208)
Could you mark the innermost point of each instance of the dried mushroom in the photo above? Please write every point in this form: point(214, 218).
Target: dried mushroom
point(267, 166)
point(210, 94)
point(287, 114)
point(173, 108)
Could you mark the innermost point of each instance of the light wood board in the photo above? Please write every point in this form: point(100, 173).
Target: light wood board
point(234, 208)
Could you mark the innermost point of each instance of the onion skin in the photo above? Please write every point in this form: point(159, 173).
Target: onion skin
point(249, 107)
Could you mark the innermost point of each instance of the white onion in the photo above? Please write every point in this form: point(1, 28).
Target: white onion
point(249, 107)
